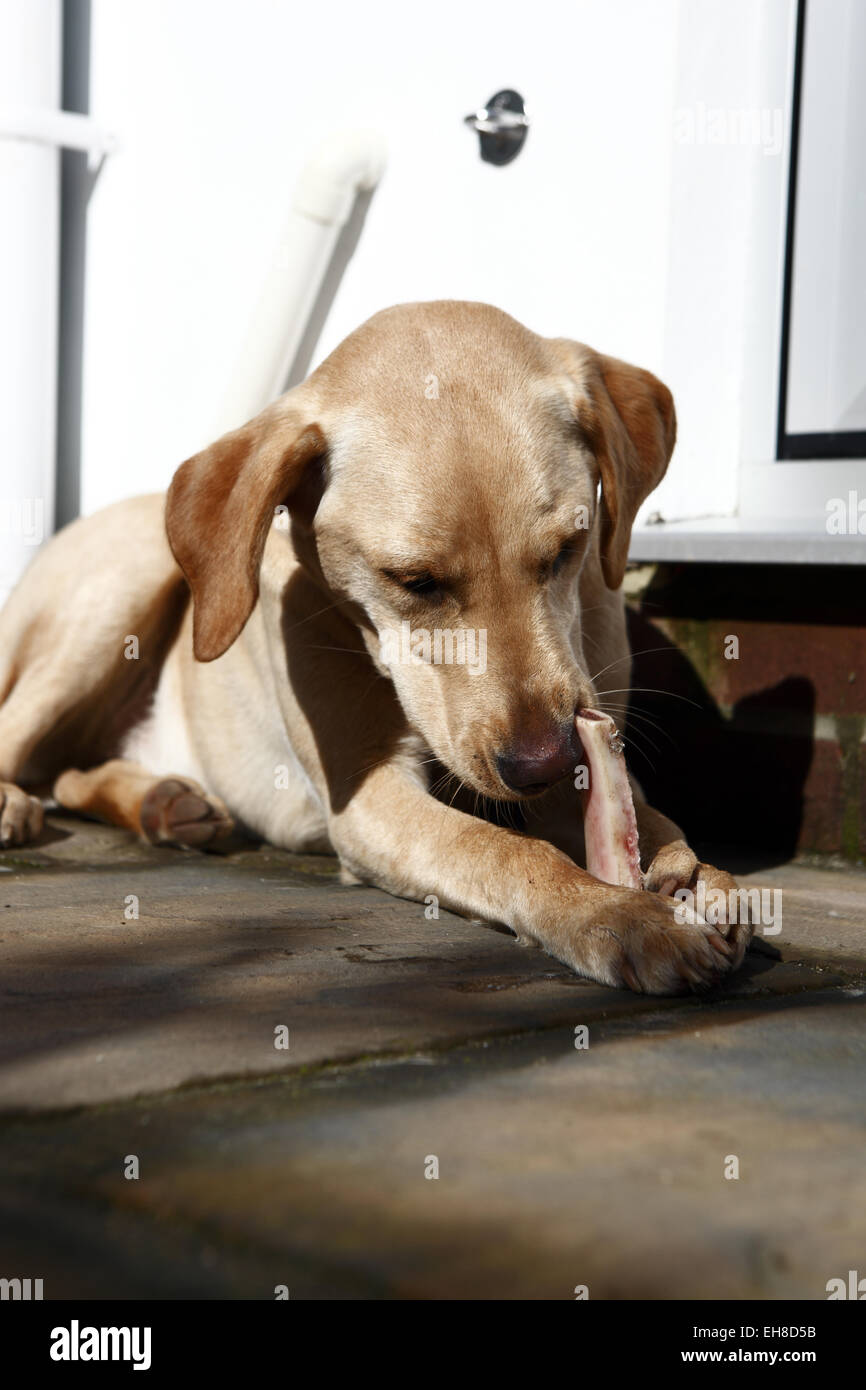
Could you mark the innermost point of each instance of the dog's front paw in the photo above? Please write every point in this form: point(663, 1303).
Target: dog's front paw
point(676, 869)
point(652, 951)
point(641, 941)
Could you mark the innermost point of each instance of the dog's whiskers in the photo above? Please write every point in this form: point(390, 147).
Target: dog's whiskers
point(350, 651)
point(648, 651)
point(650, 690)
point(627, 713)
point(310, 616)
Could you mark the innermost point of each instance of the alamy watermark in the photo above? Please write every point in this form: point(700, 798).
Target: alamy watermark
point(77, 1343)
point(20, 1290)
point(444, 646)
point(846, 516)
point(755, 127)
point(24, 517)
point(760, 906)
point(854, 1287)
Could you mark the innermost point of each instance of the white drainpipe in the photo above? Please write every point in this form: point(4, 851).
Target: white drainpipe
point(32, 132)
point(30, 190)
point(344, 166)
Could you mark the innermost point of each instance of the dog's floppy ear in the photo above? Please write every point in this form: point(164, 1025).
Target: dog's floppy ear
point(633, 430)
point(218, 510)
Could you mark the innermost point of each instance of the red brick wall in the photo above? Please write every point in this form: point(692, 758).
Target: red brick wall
point(767, 749)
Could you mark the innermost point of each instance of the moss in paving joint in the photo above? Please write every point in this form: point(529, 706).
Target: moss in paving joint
point(652, 1011)
point(294, 1076)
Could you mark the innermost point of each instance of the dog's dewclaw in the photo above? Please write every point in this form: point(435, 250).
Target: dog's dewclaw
point(609, 825)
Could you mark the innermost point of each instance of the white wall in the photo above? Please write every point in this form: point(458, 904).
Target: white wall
point(615, 225)
point(218, 102)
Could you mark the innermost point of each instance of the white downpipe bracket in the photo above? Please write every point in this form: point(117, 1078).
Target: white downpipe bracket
point(68, 130)
point(344, 166)
point(33, 132)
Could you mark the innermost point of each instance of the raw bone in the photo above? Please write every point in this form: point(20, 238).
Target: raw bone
point(609, 825)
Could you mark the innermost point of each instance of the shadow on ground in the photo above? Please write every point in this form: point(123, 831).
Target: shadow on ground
point(415, 1047)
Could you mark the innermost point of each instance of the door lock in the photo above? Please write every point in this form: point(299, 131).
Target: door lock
point(502, 127)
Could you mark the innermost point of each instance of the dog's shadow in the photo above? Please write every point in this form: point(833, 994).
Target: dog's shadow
point(722, 776)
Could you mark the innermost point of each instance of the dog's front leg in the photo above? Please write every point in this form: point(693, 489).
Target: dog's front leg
point(392, 833)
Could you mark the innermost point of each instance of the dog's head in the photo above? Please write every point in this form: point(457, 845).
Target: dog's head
point(449, 475)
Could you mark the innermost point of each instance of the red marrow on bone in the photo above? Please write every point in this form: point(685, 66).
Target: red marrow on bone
point(609, 825)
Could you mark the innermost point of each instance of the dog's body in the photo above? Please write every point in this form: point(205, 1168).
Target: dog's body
point(440, 471)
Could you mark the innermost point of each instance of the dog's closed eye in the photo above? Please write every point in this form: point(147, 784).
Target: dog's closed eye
point(421, 585)
point(562, 559)
point(551, 568)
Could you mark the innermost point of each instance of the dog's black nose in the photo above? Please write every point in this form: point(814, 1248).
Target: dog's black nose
point(532, 766)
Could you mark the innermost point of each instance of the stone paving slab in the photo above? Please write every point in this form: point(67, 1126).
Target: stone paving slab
point(409, 1039)
point(96, 1008)
point(603, 1167)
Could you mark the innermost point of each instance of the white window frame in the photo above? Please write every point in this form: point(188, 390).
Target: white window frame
point(779, 508)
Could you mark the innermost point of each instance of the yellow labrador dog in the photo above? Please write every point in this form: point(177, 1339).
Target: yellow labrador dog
point(405, 578)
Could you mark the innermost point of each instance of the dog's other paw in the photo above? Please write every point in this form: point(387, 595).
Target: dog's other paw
point(676, 867)
point(672, 868)
point(21, 816)
point(177, 811)
point(735, 920)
